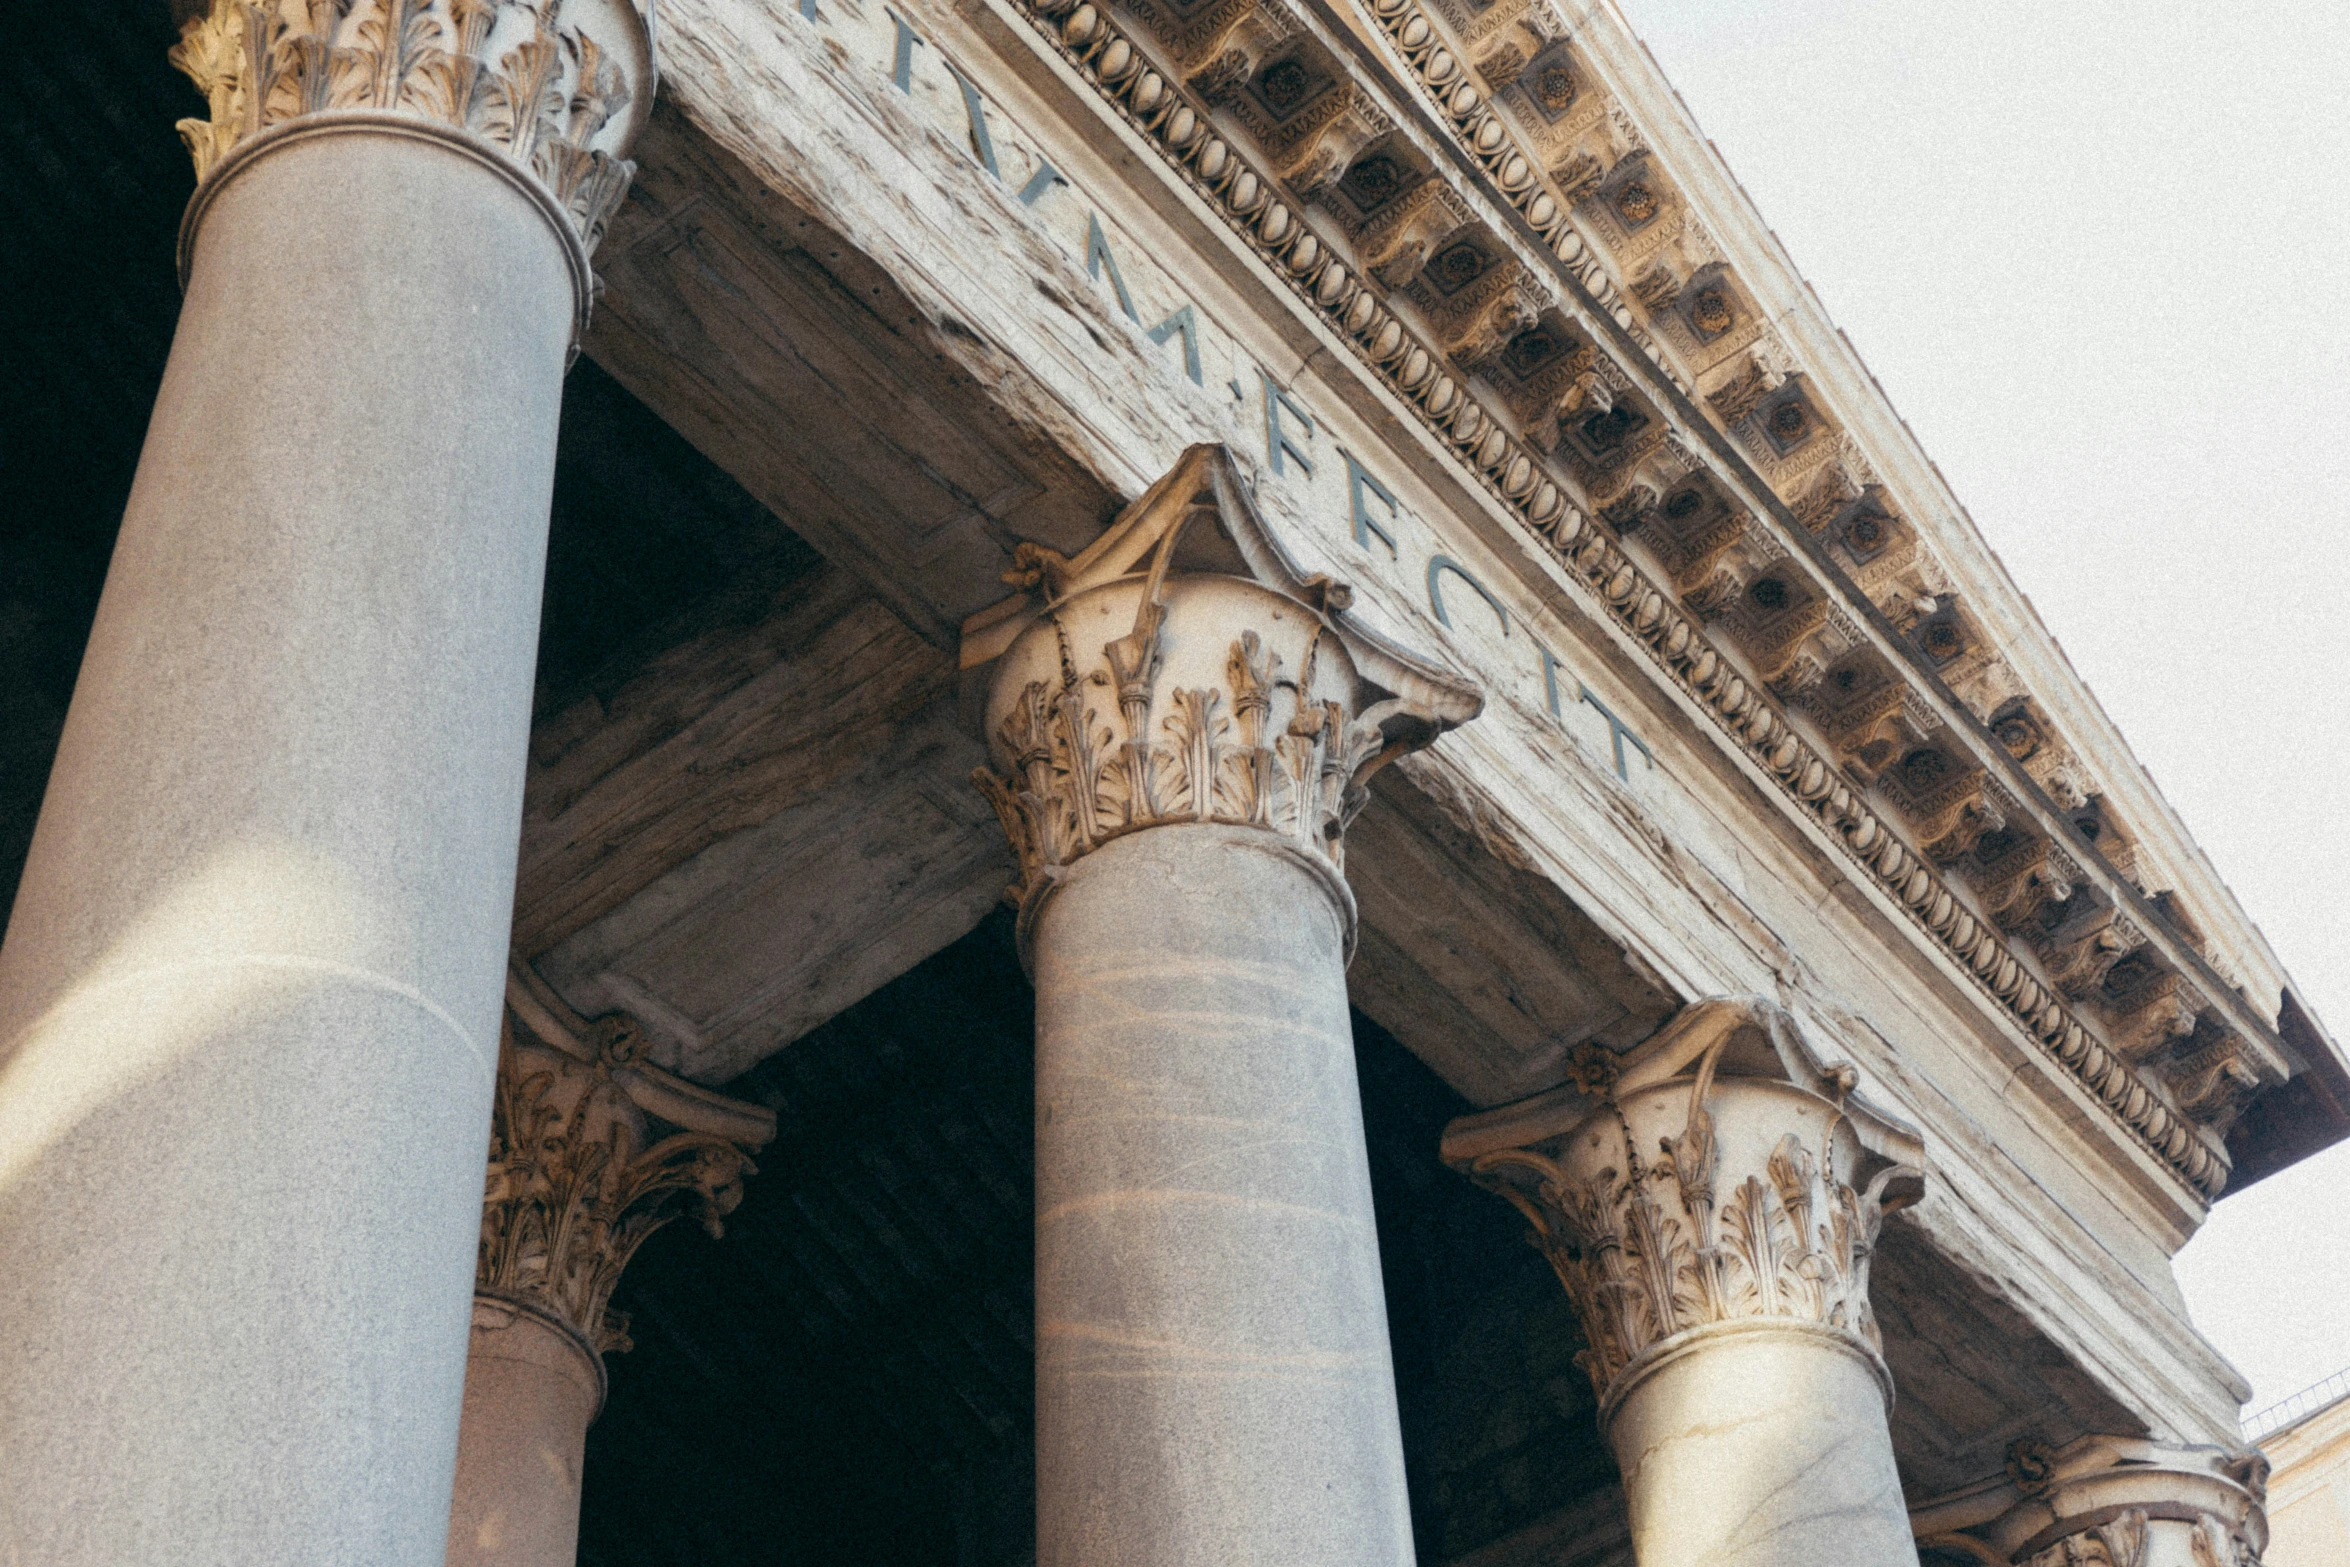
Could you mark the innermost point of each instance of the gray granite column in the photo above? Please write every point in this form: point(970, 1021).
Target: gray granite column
point(249, 995)
point(1182, 725)
point(1710, 1202)
point(592, 1149)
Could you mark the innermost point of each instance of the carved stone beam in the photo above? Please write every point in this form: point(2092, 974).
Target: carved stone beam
point(2082, 949)
point(1740, 390)
point(592, 1149)
point(1476, 322)
point(1944, 802)
point(265, 914)
point(2108, 1501)
point(1577, 177)
point(1397, 241)
point(1219, 48)
point(1181, 723)
point(2152, 1013)
point(2212, 1081)
point(1320, 142)
point(2018, 877)
point(1710, 1203)
point(1695, 561)
point(1779, 647)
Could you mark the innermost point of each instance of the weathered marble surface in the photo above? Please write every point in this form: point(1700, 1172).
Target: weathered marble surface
point(1213, 1381)
point(530, 1393)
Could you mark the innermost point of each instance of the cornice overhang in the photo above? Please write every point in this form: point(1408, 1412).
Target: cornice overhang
point(1120, 61)
point(1642, 359)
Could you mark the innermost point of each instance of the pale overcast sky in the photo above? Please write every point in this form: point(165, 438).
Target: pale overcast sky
point(2095, 252)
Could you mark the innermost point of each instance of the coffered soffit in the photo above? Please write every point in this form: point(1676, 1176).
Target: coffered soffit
point(1997, 875)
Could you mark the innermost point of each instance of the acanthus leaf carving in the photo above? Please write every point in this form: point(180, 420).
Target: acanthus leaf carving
point(1242, 700)
point(2120, 1543)
point(1722, 1227)
point(580, 1175)
point(538, 91)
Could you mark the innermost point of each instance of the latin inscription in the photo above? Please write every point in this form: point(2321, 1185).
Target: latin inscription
point(1375, 519)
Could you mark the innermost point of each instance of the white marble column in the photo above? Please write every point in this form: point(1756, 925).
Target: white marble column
point(592, 1149)
point(2107, 1501)
point(249, 995)
point(1710, 1202)
point(1182, 725)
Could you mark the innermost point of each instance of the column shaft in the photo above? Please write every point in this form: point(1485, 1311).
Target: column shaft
point(592, 1149)
point(1213, 1377)
point(1766, 1448)
point(249, 998)
point(531, 1392)
point(1181, 724)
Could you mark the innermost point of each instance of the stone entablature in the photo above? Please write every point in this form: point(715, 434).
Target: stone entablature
point(1785, 432)
point(2178, 1085)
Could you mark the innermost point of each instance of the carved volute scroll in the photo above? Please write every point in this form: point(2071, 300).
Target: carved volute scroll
point(1181, 670)
point(553, 91)
point(592, 1149)
point(1715, 1174)
point(2107, 1501)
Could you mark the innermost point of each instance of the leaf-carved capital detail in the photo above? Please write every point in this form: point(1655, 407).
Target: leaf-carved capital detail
point(1181, 671)
point(2110, 1501)
point(592, 1149)
point(555, 97)
point(1719, 1174)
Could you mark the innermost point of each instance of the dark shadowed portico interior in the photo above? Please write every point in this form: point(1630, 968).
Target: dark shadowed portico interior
point(847, 1375)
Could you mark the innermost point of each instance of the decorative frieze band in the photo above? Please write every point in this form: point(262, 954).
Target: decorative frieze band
point(1507, 467)
point(554, 96)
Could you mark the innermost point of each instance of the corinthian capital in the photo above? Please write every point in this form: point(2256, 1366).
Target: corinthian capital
point(1717, 1175)
point(1182, 670)
point(2106, 1501)
point(554, 93)
point(592, 1149)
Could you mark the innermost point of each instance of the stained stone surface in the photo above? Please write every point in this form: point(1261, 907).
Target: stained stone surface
point(1763, 1448)
point(1213, 1378)
point(529, 1395)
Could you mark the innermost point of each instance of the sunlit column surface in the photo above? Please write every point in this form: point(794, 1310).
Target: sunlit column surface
point(1181, 725)
point(249, 993)
point(1710, 1203)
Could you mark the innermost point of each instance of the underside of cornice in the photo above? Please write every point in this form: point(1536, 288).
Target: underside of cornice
point(1469, 251)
